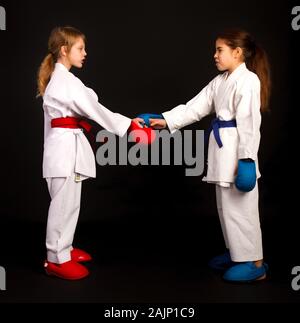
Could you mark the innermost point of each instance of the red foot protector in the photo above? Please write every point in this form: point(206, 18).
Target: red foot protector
point(144, 136)
point(70, 270)
point(79, 255)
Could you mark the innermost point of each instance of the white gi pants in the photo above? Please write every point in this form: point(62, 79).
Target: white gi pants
point(239, 217)
point(63, 215)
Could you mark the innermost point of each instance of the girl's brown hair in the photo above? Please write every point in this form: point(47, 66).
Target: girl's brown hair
point(255, 58)
point(60, 36)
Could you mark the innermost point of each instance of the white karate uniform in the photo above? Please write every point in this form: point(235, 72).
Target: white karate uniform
point(68, 157)
point(230, 96)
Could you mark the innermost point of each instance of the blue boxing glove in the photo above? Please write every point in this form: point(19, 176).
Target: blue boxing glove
point(147, 116)
point(245, 180)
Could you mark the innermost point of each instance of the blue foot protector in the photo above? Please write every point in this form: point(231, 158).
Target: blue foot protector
point(221, 262)
point(245, 272)
point(147, 116)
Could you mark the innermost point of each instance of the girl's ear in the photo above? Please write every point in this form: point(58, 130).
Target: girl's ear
point(63, 51)
point(238, 52)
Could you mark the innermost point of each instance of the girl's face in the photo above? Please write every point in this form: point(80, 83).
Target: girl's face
point(227, 59)
point(76, 55)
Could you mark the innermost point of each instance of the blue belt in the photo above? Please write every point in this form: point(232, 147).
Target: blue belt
point(215, 125)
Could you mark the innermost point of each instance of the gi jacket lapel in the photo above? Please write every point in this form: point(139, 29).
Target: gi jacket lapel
point(227, 82)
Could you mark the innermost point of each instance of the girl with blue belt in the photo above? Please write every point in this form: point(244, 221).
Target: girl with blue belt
point(237, 96)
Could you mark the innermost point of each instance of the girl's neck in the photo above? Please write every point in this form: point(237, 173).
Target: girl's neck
point(65, 62)
point(234, 67)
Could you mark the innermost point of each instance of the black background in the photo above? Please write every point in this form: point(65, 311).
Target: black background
point(144, 56)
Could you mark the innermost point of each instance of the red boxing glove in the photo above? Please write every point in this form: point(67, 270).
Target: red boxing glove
point(144, 136)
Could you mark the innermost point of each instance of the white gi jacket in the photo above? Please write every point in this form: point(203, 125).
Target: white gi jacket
point(67, 150)
point(234, 96)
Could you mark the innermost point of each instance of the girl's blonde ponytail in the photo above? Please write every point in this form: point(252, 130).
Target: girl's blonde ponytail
point(44, 73)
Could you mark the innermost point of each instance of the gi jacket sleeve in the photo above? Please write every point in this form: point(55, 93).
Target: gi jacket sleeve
point(84, 101)
point(194, 110)
point(248, 117)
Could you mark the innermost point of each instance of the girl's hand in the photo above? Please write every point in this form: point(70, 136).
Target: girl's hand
point(158, 123)
point(139, 122)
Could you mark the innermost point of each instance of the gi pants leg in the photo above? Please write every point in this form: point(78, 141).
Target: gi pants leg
point(63, 215)
point(239, 217)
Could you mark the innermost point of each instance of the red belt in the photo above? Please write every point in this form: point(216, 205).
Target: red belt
point(74, 123)
point(70, 122)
